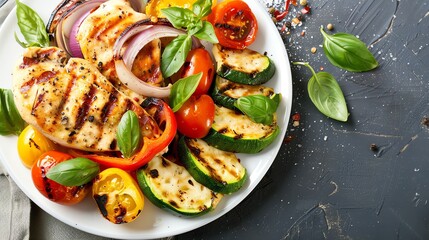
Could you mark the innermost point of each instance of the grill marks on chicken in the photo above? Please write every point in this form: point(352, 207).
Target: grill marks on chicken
point(71, 102)
point(98, 33)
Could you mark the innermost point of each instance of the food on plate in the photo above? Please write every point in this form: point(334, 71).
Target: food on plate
point(169, 186)
point(52, 190)
point(32, 144)
point(199, 60)
point(153, 7)
point(226, 93)
point(101, 97)
point(196, 116)
point(70, 102)
point(243, 66)
point(218, 170)
point(235, 132)
point(234, 24)
point(118, 196)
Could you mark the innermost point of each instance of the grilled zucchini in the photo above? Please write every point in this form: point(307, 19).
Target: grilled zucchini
point(243, 66)
point(225, 92)
point(170, 186)
point(233, 131)
point(216, 169)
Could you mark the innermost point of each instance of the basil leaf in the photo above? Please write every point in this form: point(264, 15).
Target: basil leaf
point(128, 134)
point(31, 26)
point(182, 90)
point(348, 52)
point(74, 172)
point(207, 33)
point(180, 17)
point(202, 8)
point(326, 94)
point(174, 54)
point(259, 108)
point(10, 119)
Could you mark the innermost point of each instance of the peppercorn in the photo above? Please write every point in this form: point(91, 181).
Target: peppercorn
point(425, 121)
point(313, 50)
point(373, 147)
point(303, 2)
point(330, 26)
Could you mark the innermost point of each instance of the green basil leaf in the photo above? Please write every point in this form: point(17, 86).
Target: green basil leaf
point(348, 52)
point(174, 54)
point(259, 108)
point(202, 8)
point(326, 94)
point(10, 119)
point(182, 90)
point(31, 26)
point(195, 27)
point(74, 172)
point(128, 134)
point(207, 33)
point(180, 17)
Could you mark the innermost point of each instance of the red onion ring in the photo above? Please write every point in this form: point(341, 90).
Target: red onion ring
point(63, 31)
point(140, 34)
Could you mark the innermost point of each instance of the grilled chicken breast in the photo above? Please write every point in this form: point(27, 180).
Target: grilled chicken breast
point(98, 33)
point(71, 102)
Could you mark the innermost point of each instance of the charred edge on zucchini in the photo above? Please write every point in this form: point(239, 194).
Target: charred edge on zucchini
point(218, 170)
point(233, 131)
point(226, 93)
point(170, 186)
point(243, 66)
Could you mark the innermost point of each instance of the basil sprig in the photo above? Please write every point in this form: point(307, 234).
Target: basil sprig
point(74, 172)
point(128, 134)
point(259, 108)
point(10, 119)
point(326, 94)
point(31, 26)
point(182, 90)
point(175, 52)
point(347, 52)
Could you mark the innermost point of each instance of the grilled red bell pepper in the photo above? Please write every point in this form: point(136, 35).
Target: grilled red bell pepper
point(164, 116)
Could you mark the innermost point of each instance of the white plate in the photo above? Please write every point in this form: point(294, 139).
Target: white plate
point(153, 222)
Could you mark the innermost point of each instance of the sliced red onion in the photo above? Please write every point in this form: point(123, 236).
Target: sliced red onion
point(63, 31)
point(141, 34)
point(74, 46)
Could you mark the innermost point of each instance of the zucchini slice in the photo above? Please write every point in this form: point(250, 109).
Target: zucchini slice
point(233, 131)
point(170, 186)
point(216, 169)
point(243, 66)
point(226, 93)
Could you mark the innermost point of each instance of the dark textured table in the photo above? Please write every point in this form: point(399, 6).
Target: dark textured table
point(327, 181)
point(363, 179)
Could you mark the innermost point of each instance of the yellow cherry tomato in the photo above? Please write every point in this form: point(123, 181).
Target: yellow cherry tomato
point(118, 195)
point(153, 7)
point(31, 145)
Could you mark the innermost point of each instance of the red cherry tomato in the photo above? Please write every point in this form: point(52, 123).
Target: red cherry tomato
point(234, 23)
point(196, 116)
point(199, 60)
point(51, 189)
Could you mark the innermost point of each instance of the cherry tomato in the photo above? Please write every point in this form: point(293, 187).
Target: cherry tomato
point(234, 23)
point(196, 116)
point(52, 190)
point(199, 60)
point(32, 144)
point(118, 195)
